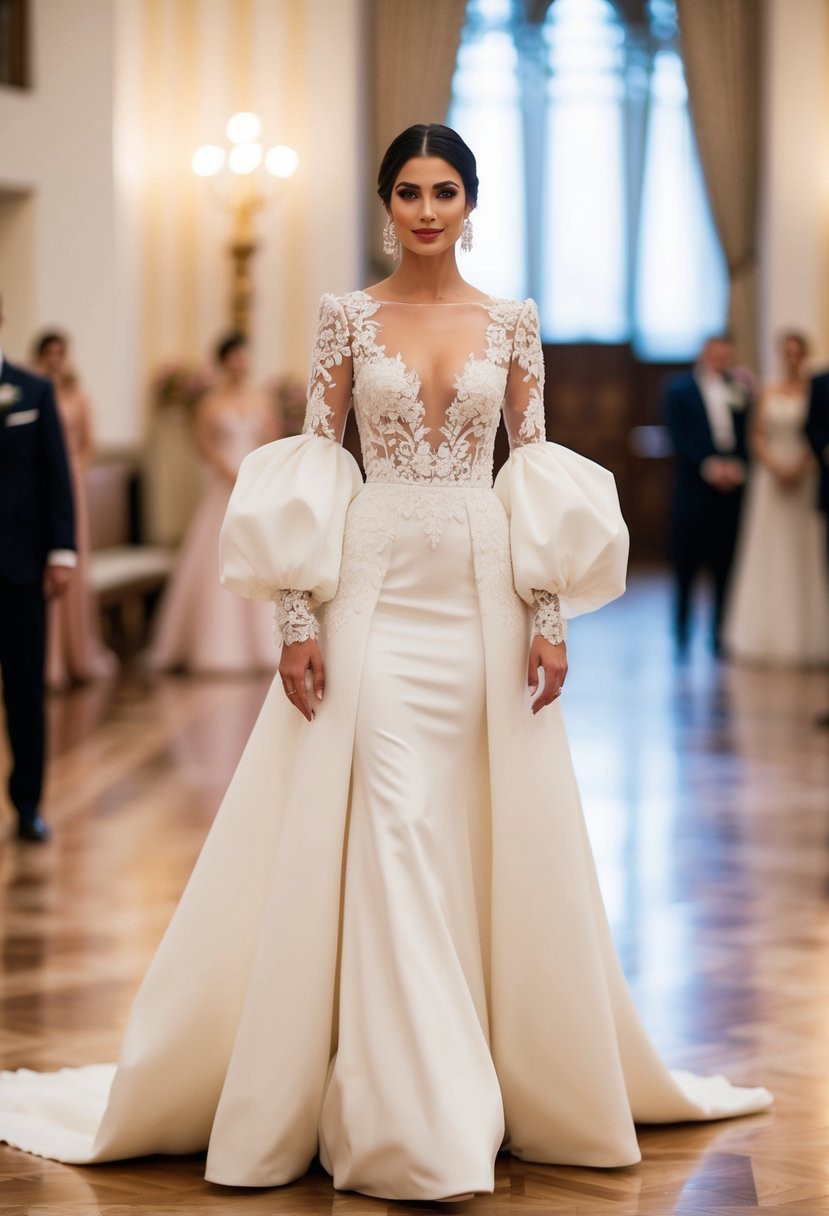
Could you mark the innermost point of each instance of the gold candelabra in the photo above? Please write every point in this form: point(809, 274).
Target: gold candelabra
point(239, 173)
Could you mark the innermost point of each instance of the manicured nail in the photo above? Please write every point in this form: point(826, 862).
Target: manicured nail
point(319, 694)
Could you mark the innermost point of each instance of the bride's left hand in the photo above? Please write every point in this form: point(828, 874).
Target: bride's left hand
point(553, 661)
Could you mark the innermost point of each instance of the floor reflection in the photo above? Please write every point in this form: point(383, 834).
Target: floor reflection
point(705, 792)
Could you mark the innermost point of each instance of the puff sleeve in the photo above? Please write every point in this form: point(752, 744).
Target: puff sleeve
point(282, 536)
point(568, 540)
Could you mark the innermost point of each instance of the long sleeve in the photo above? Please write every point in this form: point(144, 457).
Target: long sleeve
point(331, 375)
point(524, 397)
point(329, 400)
point(568, 540)
point(283, 532)
point(56, 482)
point(817, 422)
point(693, 444)
point(524, 419)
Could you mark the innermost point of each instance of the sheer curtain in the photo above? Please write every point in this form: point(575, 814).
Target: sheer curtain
point(681, 279)
point(618, 246)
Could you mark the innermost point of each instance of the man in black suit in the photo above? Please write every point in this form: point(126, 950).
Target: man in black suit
point(706, 417)
point(37, 554)
point(817, 432)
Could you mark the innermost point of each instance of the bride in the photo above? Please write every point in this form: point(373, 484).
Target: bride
point(392, 951)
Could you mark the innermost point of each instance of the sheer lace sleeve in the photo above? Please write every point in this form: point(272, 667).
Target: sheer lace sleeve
point(329, 400)
point(330, 379)
point(524, 399)
point(524, 418)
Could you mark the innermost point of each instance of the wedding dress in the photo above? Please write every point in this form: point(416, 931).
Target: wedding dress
point(392, 950)
point(782, 545)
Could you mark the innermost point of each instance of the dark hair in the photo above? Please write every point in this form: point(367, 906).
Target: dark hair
point(795, 335)
point(428, 139)
point(722, 335)
point(46, 339)
point(229, 343)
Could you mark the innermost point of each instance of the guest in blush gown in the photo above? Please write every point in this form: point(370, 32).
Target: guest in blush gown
point(782, 538)
point(75, 651)
point(202, 627)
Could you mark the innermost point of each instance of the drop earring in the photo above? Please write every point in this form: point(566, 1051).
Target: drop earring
point(466, 236)
point(391, 241)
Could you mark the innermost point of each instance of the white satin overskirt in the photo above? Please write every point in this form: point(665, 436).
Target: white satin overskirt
point(392, 950)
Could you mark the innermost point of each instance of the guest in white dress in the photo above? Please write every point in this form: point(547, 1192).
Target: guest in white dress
point(779, 606)
point(201, 627)
point(393, 952)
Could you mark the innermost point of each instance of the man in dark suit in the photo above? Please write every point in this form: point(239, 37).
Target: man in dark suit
point(817, 432)
point(706, 417)
point(37, 554)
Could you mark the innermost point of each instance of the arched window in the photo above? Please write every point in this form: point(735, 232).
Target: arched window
point(592, 196)
point(486, 111)
point(583, 283)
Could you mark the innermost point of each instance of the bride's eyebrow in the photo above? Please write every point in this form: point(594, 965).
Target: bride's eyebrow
point(413, 186)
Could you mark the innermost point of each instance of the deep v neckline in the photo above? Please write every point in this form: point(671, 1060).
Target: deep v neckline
point(448, 426)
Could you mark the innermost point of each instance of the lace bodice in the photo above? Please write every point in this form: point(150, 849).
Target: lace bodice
point(428, 383)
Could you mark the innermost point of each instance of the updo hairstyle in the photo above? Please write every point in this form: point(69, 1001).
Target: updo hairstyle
point(228, 344)
point(428, 139)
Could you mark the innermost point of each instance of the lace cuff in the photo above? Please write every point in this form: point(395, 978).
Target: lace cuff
point(293, 617)
point(547, 619)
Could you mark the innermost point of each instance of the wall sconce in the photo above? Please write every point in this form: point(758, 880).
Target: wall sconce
point(241, 174)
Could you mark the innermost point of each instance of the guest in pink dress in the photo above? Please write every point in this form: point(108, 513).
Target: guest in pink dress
point(202, 627)
point(75, 651)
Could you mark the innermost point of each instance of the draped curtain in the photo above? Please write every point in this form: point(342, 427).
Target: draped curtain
point(414, 48)
point(720, 42)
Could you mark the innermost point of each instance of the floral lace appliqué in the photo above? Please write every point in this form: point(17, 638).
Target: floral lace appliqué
point(293, 617)
point(528, 354)
point(392, 417)
point(547, 619)
point(332, 346)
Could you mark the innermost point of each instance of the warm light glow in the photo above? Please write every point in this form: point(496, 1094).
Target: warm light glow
point(244, 128)
point(208, 160)
point(244, 158)
point(281, 161)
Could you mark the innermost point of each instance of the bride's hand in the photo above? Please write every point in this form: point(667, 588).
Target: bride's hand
point(553, 660)
point(297, 659)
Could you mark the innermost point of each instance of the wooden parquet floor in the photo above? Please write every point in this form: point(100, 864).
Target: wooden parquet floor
point(707, 797)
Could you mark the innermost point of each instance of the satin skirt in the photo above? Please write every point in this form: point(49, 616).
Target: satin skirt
point(414, 966)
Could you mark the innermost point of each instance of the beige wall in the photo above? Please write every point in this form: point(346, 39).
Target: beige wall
point(55, 145)
point(795, 183)
point(298, 65)
point(123, 245)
